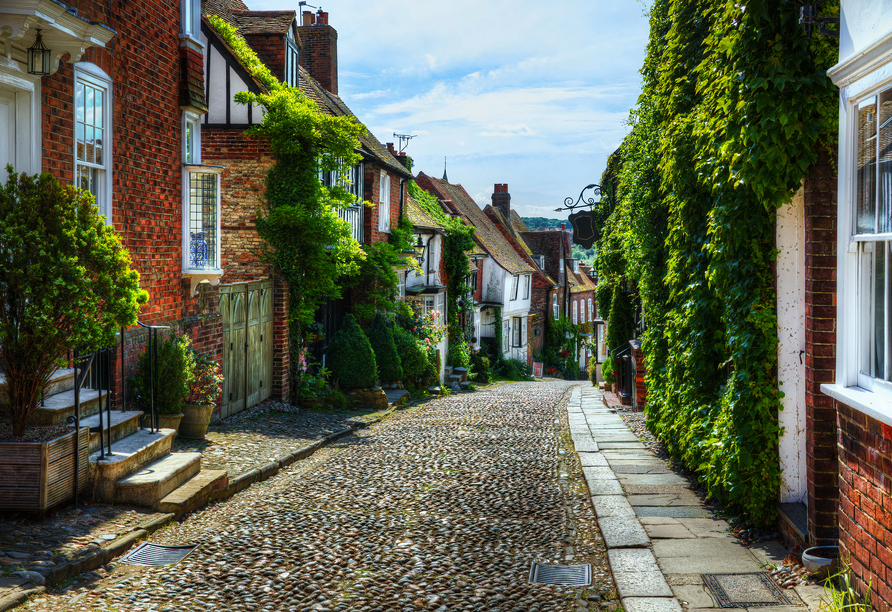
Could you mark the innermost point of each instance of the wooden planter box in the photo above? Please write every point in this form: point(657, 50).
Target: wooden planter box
point(40, 475)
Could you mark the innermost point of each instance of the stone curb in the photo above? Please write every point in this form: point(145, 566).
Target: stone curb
point(100, 557)
point(18, 598)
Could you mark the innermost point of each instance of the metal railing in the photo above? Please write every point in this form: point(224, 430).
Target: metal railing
point(622, 365)
point(152, 349)
point(353, 215)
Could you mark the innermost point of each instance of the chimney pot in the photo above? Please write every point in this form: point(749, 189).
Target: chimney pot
point(308, 18)
point(563, 227)
point(390, 148)
point(322, 17)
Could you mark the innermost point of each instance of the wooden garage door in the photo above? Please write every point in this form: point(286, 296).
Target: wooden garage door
point(246, 310)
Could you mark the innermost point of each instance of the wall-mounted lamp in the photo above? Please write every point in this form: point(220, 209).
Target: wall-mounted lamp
point(39, 57)
point(420, 248)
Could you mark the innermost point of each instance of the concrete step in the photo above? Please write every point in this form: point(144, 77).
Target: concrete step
point(63, 380)
point(193, 493)
point(156, 480)
point(57, 408)
point(130, 454)
point(397, 397)
point(122, 425)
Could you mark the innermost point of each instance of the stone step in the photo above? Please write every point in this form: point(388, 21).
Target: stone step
point(397, 397)
point(62, 380)
point(122, 425)
point(57, 408)
point(130, 454)
point(193, 493)
point(156, 480)
point(462, 372)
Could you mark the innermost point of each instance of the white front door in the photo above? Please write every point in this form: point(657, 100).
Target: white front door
point(7, 131)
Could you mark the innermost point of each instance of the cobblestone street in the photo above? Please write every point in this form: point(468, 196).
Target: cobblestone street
point(440, 507)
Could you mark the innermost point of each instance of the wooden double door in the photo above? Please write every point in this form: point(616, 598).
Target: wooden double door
point(246, 310)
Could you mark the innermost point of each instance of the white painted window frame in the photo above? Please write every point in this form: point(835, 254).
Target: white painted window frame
point(516, 280)
point(27, 91)
point(384, 203)
point(94, 76)
point(190, 20)
point(554, 306)
point(575, 319)
point(591, 316)
point(506, 336)
point(528, 279)
point(860, 77)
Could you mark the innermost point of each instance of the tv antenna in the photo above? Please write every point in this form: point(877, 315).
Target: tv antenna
point(404, 140)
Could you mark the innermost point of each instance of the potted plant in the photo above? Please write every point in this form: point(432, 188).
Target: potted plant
point(201, 399)
point(65, 283)
point(174, 375)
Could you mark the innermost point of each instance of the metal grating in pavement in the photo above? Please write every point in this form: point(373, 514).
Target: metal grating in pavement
point(745, 590)
point(566, 575)
point(154, 555)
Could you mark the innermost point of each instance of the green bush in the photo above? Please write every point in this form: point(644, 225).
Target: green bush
point(65, 282)
point(513, 369)
point(480, 367)
point(431, 374)
point(175, 374)
point(593, 370)
point(381, 338)
point(607, 370)
point(350, 357)
point(336, 399)
point(412, 356)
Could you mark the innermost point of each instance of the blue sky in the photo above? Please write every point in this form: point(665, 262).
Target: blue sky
point(531, 94)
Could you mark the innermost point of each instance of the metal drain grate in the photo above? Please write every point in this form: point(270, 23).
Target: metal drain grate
point(745, 590)
point(567, 575)
point(157, 554)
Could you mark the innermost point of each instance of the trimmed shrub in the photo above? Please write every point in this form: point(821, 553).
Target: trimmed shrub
point(412, 356)
point(381, 338)
point(513, 369)
point(350, 357)
point(175, 374)
point(607, 370)
point(480, 367)
point(593, 370)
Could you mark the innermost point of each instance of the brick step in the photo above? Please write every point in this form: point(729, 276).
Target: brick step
point(153, 482)
point(58, 407)
point(122, 425)
point(193, 493)
point(130, 454)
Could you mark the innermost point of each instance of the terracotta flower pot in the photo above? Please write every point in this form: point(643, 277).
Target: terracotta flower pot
point(196, 419)
point(165, 421)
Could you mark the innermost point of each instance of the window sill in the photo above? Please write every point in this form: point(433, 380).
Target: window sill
point(196, 277)
point(861, 400)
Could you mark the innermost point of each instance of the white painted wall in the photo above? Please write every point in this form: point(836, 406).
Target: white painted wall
point(494, 277)
point(862, 23)
point(790, 238)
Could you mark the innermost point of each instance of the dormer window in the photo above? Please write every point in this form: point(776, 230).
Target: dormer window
point(291, 59)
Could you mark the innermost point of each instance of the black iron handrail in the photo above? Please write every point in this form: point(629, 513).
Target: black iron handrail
point(153, 377)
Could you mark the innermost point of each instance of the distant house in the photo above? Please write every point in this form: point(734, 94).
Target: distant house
point(503, 277)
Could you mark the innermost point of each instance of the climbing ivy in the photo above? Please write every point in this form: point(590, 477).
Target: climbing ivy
point(735, 104)
point(306, 241)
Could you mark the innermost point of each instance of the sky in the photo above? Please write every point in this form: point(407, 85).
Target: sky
point(532, 94)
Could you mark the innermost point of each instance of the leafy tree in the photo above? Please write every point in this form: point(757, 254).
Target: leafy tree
point(386, 357)
point(65, 283)
point(350, 357)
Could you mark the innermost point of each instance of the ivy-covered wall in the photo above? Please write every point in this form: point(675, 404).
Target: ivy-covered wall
point(735, 105)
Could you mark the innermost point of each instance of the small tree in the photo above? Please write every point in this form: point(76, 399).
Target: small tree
point(351, 358)
point(65, 282)
point(175, 374)
point(413, 359)
point(386, 357)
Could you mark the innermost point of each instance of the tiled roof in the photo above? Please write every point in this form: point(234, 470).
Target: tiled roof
point(263, 22)
point(419, 217)
point(335, 106)
point(581, 282)
point(517, 223)
point(486, 235)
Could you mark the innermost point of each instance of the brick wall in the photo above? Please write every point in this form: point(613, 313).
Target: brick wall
point(865, 505)
point(242, 185)
point(638, 362)
point(373, 194)
point(150, 74)
point(820, 347)
point(270, 49)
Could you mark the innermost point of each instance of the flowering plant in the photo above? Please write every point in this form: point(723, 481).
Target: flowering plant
point(426, 328)
point(207, 380)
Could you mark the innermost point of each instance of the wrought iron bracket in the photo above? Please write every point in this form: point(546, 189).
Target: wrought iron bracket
point(809, 19)
point(583, 200)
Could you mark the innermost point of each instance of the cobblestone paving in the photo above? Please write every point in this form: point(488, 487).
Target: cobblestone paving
point(265, 433)
point(442, 507)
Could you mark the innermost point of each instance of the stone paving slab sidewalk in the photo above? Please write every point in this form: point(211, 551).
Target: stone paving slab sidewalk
point(660, 537)
point(71, 540)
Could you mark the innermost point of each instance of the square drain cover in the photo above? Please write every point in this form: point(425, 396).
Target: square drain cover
point(745, 590)
point(568, 575)
point(157, 554)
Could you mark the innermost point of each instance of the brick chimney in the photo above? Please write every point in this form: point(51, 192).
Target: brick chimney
point(501, 199)
point(319, 53)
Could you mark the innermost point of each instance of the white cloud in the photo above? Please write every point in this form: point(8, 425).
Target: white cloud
point(379, 93)
point(507, 130)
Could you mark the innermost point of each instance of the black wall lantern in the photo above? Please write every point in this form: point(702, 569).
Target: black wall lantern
point(808, 18)
point(39, 57)
point(420, 248)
